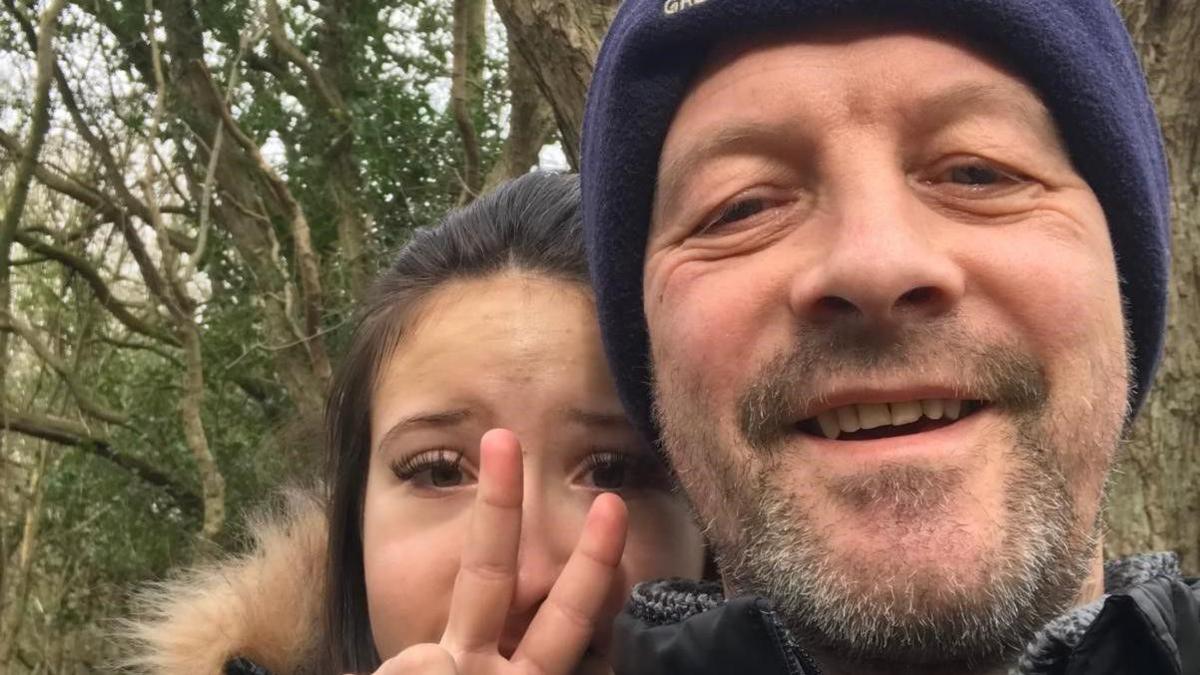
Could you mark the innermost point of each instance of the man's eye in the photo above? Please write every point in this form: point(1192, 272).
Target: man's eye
point(739, 210)
point(433, 469)
point(976, 176)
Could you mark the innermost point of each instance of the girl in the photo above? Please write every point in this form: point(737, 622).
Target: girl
point(454, 547)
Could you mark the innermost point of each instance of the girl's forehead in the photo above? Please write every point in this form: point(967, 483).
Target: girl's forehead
point(503, 321)
point(510, 350)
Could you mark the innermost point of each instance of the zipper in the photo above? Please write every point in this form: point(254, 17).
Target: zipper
point(807, 664)
point(797, 658)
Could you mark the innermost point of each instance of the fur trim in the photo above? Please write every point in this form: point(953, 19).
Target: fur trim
point(264, 605)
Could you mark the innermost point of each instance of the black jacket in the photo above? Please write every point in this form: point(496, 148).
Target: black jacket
point(1147, 624)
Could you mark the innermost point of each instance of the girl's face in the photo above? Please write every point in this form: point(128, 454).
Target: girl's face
point(520, 352)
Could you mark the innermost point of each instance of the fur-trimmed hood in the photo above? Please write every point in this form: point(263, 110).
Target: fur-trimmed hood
point(264, 605)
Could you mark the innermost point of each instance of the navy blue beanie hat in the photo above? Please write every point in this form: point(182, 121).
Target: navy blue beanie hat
point(1075, 53)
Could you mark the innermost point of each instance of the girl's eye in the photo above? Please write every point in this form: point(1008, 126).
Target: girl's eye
point(439, 469)
point(616, 471)
point(608, 472)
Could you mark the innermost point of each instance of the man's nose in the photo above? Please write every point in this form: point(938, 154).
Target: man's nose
point(884, 262)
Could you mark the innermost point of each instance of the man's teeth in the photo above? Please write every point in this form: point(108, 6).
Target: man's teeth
point(851, 418)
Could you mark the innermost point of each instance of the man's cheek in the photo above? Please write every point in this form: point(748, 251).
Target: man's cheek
point(1065, 302)
point(703, 336)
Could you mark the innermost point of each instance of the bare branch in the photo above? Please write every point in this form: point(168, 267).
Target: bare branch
point(85, 399)
point(178, 302)
point(306, 257)
point(214, 154)
point(67, 432)
point(95, 139)
point(89, 195)
point(279, 38)
point(142, 346)
point(39, 124)
point(150, 274)
point(191, 402)
point(101, 290)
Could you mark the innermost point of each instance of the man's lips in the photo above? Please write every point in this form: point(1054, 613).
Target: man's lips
point(870, 415)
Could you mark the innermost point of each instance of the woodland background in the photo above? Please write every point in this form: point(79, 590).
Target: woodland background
point(194, 192)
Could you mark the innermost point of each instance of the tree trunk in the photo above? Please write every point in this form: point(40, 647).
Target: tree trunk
point(14, 616)
point(466, 75)
point(191, 404)
point(562, 37)
point(529, 122)
point(249, 195)
point(331, 84)
point(1155, 499)
point(344, 180)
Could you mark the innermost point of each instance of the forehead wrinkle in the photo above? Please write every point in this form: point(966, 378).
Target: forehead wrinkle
point(960, 100)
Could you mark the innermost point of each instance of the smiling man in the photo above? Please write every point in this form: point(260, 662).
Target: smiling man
point(887, 282)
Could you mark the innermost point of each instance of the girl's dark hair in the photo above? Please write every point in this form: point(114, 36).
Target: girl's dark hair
point(531, 224)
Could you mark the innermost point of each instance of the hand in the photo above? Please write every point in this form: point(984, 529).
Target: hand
point(483, 590)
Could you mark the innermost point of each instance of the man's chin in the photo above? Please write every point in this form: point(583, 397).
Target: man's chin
point(909, 565)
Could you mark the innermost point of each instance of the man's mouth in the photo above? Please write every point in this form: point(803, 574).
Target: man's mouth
point(870, 421)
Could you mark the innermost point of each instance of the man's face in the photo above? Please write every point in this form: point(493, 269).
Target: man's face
point(886, 332)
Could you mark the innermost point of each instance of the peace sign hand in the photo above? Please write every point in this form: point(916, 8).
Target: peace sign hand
point(483, 590)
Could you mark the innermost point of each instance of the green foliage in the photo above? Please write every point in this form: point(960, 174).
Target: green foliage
point(103, 529)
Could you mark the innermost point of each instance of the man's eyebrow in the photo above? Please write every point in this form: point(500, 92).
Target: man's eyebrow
point(437, 419)
point(595, 418)
point(740, 137)
point(954, 102)
point(930, 112)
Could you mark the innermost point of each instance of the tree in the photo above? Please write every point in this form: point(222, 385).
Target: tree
point(1155, 500)
point(560, 40)
point(194, 196)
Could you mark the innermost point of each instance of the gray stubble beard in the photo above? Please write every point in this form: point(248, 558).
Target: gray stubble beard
point(767, 544)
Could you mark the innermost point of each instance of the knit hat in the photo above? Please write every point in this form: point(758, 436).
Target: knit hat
point(1075, 53)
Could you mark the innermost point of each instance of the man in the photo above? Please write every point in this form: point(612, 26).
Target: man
point(887, 282)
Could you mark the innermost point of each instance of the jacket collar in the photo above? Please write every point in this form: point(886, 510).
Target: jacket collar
point(679, 619)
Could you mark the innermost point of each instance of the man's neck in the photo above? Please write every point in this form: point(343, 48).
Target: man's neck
point(1093, 585)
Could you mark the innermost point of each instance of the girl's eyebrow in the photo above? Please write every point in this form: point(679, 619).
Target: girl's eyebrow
point(595, 418)
point(436, 419)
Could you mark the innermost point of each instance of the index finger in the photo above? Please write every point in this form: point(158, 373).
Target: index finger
point(488, 569)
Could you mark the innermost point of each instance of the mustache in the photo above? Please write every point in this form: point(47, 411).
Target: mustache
point(975, 365)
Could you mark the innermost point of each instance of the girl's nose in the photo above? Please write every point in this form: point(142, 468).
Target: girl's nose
point(547, 539)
